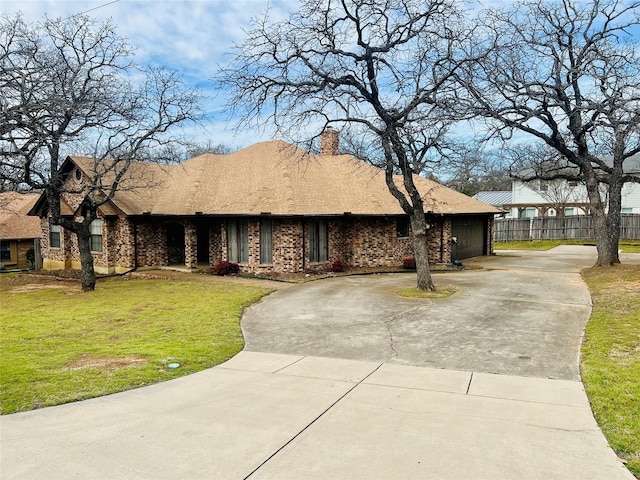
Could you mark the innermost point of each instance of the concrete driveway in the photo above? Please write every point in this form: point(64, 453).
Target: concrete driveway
point(272, 414)
point(522, 314)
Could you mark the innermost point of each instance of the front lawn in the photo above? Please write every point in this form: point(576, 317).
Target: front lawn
point(60, 345)
point(610, 362)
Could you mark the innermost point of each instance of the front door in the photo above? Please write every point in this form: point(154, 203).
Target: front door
point(175, 244)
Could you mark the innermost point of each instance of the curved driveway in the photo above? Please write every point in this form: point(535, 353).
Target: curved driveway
point(522, 314)
point(294, 413)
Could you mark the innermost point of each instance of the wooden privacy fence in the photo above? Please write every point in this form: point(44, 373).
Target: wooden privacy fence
point(577, 227)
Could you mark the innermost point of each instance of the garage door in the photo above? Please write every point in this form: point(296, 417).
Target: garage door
point(470, 232)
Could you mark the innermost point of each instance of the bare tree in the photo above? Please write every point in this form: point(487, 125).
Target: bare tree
point(475, 170)
point(567, 74)
point(69, 86)
point(382, 69)
point(185, 150)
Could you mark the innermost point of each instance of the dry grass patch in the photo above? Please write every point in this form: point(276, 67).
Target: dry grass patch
point(442, 291)
point(107, 363)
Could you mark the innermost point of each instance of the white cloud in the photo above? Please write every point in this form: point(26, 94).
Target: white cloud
point(189, 36)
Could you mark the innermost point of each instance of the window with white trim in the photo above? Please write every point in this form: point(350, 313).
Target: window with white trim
point(96, 235)
point(55, 236)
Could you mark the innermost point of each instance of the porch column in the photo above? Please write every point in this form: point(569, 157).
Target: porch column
point(190, 245)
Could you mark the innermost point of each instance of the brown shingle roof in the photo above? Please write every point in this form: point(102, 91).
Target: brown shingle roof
point(14, 222)
point(280, 179)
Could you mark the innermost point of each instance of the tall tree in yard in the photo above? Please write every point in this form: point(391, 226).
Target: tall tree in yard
point(382, 69)
point(567, 74)
point(69, 86)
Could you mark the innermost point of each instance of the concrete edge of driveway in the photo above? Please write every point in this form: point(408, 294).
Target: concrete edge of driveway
point(550, 404)
point(507, 387)
point(263, 415)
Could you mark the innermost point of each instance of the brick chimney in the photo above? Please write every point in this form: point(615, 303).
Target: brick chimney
point(329, 142)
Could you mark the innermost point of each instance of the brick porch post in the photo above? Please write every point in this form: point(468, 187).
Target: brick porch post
point(190, 245)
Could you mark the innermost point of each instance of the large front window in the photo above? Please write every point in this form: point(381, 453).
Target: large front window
point(96, 235)
point(318, 241)
point(238, 241)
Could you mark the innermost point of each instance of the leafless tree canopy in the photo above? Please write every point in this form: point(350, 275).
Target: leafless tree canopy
point(381, 69)
point(474, 170)
point(568, 75)
point(69, 86)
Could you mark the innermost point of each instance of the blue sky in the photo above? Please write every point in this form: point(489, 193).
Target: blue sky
point(190, 36)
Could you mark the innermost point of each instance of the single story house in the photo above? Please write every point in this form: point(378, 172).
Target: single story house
point(19, 233)
point(270, 207)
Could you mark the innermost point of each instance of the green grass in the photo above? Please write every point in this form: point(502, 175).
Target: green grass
point(443, 291)
point(59, 345)
point(610, 362)
point(630, 247)
point(534, 244)
point(627, 246)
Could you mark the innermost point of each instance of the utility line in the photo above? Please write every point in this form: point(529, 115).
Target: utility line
point(92, 9)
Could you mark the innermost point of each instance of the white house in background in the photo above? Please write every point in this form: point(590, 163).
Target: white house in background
point(540, 198)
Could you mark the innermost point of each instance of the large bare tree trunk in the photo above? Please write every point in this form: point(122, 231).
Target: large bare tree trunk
point(606, 230)
point(87, 272)
point(606, 226)
point(421, 251)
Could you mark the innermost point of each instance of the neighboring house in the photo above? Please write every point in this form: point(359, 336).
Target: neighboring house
point(19, 232)
point(268, 207)
point(540, 198)
point(499, 199)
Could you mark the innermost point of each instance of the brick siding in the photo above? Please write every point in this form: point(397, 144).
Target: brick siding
point(356, 241)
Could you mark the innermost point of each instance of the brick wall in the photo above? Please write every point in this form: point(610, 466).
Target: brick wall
point(356, 241)
point(120, 242)
point(364, 242)
point(151, 246)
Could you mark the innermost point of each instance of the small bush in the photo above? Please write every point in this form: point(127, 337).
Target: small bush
point(225, 268)
point(337, 266)
point(409, 263)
